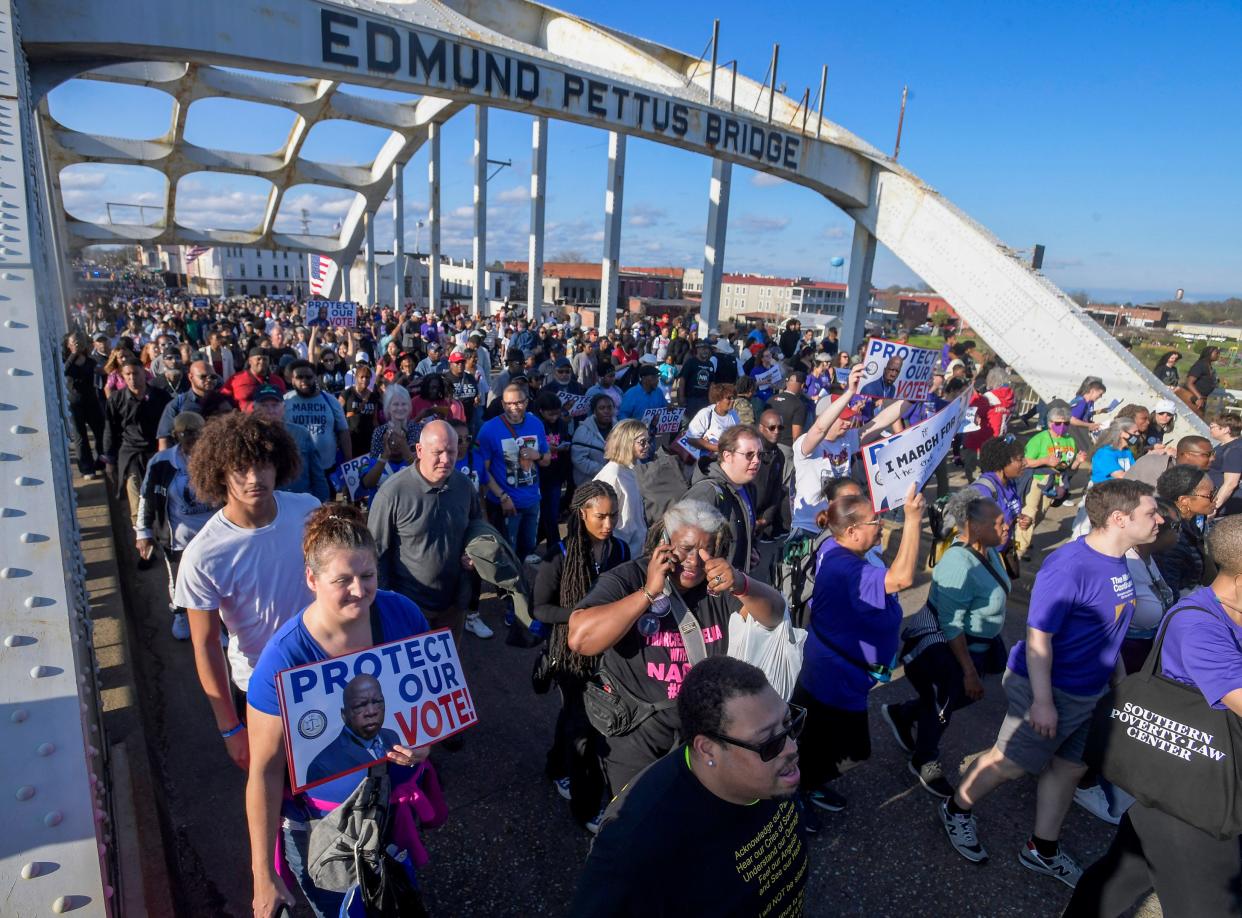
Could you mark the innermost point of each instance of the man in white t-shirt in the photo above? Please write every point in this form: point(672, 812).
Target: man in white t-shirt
point(245, 566)
point(826, 450)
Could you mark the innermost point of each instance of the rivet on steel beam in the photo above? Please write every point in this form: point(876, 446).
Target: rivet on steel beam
point(41, 671)
point(10, 512)
point(46, 749)
point(18, 371)
point(25, 481)
point(19, 715)
point(54, 818)
point(22, 429)
point(4, 406)
point(25, 792)
point(31, 870)
point(13, 323)
point(31, 538)
point(9, 457)
point(12, 573)
point(19, 640)
point(69, 903)
point(35, 602)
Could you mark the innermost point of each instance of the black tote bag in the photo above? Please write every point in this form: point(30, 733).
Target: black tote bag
point(1158, 739)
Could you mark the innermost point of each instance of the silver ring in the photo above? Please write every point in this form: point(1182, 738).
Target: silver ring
point(718, 579)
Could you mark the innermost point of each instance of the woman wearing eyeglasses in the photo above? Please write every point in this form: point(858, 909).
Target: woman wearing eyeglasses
point(630, 618)
point(852, 640)
point(1186, 566)
point(711, 828)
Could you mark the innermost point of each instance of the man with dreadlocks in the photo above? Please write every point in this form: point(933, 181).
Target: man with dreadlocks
point(589, 549)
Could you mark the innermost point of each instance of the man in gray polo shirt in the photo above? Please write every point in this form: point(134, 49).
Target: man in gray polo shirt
point(418, 519)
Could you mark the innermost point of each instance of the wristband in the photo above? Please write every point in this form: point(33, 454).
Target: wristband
point(745, 586)
point(225, 734)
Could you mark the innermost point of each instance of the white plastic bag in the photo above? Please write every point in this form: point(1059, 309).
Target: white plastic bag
point(777, 651)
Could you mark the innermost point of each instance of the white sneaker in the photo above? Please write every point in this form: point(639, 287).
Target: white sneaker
point(181, 626)
point(563, 788)
point(474, 624)
point(592, 825)
point(1095, 802)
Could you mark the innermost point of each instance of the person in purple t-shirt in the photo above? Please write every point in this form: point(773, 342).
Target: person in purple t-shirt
point(1081, 606)
point(1202, 874)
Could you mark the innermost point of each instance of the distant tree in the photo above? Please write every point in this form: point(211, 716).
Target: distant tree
point(1081, 297)
point(570, 255)
point(939, 318)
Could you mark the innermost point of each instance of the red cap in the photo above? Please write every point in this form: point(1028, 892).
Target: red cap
point(848, 412)
point(456, 357)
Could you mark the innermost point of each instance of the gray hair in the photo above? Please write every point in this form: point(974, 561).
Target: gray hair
point(1224, 542)
point(969, 506)
point(1112, 434)
point(1059, 413)
point(394, 391)
point(997, 377)
point(693, 513)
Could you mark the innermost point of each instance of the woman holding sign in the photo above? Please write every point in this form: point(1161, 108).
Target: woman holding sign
point(348, 614)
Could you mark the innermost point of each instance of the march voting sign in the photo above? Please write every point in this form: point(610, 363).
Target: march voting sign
point(911, 456)
point(331, 312)
point(664, 420)
point(343, 714)
point(895, 370)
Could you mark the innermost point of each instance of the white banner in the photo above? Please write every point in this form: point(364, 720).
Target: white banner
point(914, 367)
point(331, 312)
point(337, 713)
point(911, 456)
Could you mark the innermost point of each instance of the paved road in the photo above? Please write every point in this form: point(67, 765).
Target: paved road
point(510, 847)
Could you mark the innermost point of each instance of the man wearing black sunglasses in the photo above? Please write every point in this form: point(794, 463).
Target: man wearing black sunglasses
point(723, 804)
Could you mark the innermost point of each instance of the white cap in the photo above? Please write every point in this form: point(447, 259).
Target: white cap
point(1164, 406)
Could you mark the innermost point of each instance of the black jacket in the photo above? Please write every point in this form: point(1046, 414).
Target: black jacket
point(735, 505)
point(131, 429)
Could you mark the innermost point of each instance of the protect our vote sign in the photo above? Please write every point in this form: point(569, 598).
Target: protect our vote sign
point(335, 313)
point(893, 463)
point(342, 714)
point(913, 365)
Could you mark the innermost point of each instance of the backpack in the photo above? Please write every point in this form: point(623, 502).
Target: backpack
point(795, 575)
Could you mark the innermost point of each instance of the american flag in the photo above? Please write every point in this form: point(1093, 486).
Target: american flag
point(196, 250)
point(322, 271)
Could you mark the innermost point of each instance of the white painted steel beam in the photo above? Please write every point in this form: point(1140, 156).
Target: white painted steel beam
point(433, 217)
point(398, 236)
point(857, 289)
point(479, 292)
point(53, 755)
point(611, 264)
point(714, 247)
point(372, 285)
point(538, 204)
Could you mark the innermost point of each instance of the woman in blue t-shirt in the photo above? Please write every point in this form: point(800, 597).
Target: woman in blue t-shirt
point(1199, 872)
point(1112, 457)
point(341, 567)
point(852, 639)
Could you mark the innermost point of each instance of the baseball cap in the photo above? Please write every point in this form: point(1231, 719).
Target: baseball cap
point(847, 413)
point(562, 363)
point(1164, 406)
point(362, 357)
point(257, 352)
point(268, 393)
point(457, 357)
point(187, 420)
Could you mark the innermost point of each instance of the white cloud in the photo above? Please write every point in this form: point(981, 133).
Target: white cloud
point(766, 180)
point(754, 223)
point(466, 210)
point(518, 194)
point(835, 232)
point(644, 215)
point(82, 178)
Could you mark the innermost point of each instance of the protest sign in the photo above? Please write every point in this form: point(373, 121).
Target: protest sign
point(664, 420)
point(914, 366)
point(842, 375)
point(200, 302)
point(352, 472)
point(910, 457)
point(409, 692)
point(770, 378)
point(576, 406)
point(331, 312)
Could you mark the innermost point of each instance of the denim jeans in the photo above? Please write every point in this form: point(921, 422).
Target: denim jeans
point(323, 902)
point(521, 529)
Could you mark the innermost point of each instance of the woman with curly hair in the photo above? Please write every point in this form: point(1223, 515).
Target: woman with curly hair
point(589, 549)
point(239, 570)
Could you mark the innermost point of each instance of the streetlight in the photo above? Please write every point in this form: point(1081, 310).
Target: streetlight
point(418, 225)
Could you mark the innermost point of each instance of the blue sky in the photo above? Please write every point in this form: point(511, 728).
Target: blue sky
point(1108, 131)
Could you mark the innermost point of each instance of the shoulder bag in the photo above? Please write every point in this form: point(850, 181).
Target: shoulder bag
point(1158, 739)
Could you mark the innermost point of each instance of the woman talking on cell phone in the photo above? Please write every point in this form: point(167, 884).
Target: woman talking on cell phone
point(650, 620)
